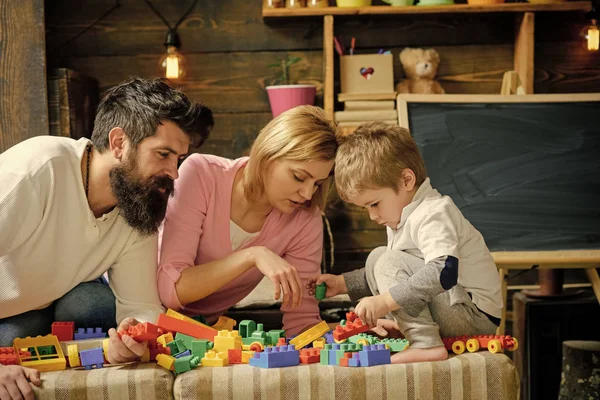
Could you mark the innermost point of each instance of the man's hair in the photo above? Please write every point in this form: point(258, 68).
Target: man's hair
point(139, 105)
point(304, 133)
point(373, 157)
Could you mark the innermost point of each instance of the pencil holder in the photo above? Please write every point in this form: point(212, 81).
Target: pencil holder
point(367, 73)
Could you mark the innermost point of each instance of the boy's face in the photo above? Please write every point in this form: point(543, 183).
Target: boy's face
point(384, 204)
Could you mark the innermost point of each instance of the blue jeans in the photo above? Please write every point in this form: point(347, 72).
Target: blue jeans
point(89, 305)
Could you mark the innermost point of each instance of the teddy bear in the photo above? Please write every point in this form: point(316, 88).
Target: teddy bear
point(420, 67)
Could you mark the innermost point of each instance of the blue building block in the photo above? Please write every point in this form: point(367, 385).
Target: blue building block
point(329, 338)
point(89, 333)
point(92, 357)
point(354, 361)
point(375, 354)
point(275, 357)
point(183, 354)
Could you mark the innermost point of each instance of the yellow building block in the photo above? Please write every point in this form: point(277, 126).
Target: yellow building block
point(164, 339)
point(105, 344)
point(175, 314)
point(226, 340)
point(166, 361)
point(213, 359)
point(319, 343)
point(43, 362)
point(73, 356)
point(310, 335)
point(246, 356)
point(225, 324)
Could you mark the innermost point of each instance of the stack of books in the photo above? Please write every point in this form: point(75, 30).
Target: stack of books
point(361, 108)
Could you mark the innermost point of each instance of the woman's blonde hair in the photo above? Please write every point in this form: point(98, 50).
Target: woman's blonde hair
point(302, 134)
point(373, 157)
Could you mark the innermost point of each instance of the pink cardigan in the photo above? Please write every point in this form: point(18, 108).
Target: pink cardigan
point(201, 204)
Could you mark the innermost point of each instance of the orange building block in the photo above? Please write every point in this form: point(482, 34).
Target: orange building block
point(350, 329)
point(170, 324)
point(310, 356)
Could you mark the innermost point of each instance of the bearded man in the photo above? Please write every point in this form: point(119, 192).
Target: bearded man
point(71, 211)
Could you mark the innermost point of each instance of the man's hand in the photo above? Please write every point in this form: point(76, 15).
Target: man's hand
point(14, 382)
point(370, 309)
point(124, 349)
point(335, 284)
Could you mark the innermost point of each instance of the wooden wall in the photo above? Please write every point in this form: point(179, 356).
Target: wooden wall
point(23, 104)
point(228, 47)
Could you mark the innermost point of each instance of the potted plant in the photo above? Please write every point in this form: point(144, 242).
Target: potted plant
point(283, 95)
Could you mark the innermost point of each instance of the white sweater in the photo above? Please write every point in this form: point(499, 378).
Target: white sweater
point(50, 240)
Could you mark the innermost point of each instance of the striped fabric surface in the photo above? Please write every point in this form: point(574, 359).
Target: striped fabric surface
point(471, 376)
point(133, 381)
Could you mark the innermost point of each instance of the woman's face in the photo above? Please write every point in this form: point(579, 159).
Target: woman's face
point(289, 184)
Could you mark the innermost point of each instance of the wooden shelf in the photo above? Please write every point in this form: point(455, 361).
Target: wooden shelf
point(451, 9)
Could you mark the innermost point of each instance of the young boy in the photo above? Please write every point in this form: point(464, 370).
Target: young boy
point(436, 277)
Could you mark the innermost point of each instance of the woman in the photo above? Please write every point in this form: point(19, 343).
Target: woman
point(231, 222)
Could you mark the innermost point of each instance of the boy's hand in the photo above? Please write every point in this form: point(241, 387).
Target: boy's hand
point(370, 309)
point(335, 284)
point(124, 349)
point(14, 382)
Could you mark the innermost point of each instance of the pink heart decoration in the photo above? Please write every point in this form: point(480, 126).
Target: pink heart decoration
point(367, 72)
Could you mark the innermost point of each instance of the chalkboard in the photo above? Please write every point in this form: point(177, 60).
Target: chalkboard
point(524, 170)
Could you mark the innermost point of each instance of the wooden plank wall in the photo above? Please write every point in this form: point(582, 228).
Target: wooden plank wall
point(228, 47)
point(23, 102)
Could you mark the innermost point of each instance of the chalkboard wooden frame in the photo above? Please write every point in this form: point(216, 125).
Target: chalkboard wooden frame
point(505, 260)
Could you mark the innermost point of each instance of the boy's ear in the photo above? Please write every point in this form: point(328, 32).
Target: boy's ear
point(408, 179)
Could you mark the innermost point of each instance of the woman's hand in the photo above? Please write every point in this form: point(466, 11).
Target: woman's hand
point(284, 276)
point(14, 382)
point(335, 284)
point(122, 348)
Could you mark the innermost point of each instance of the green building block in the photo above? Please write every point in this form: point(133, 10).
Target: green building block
point(320, 291)
point(324, 360)
point(200, 346)
point(184, 364)
point(46, 350)
point(364, 336)
point(274, 335)
point(185, 339)
point(395, 345)
point(246, 328)
point(176, 346)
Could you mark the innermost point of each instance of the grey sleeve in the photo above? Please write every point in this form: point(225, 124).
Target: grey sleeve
point(437, 276)
point(356, 282)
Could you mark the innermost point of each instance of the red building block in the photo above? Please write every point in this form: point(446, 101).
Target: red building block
point(235, 356)
point(145, 331)
point(63, 330)
point(310, 356)
point(170, 324)
point(350, 316)
point(344, 360)
point(156, 348)
point(350, 329)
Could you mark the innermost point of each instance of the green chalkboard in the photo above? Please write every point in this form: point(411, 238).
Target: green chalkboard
point(524, 170)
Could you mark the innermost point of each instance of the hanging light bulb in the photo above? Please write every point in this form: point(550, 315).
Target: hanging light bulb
point(172, 64)
point(593, 36)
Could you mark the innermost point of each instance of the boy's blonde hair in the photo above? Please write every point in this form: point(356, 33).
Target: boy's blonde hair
point(302, 134)
point(373, 157)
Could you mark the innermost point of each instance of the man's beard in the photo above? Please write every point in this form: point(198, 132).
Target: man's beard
point(142, 205)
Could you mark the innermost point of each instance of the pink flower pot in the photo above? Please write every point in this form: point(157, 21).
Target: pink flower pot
point(285, 97)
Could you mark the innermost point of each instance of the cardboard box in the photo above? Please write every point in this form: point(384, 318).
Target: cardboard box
point(367, 73)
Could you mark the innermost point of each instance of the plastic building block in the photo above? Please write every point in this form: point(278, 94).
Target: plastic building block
point(155, 348)
point(143, 332)
point(344, 360)
point(324, 354)
point(234, 356)
point(493, 343)
point(336, 353)
point(166, 361)
point(226, 340)
point(258, 335)
point(350, 329)
point(89, 333)
point(50, 362)
point(329, 338)
point(214, 359)
point(196, 330)
point(176, 346)
point(395, 345)
point(311, 334)
point(183, 354)
point(105, 344)
point(181, 317)
point(224, 324)
point(350, 316)
point(247, 356)
point(186, 363)
point(375, 354)
point(165, 338)
point(354, 361)
point(320, 291)
point(310, 356)
point(63, 330)
point(281, 342)
point(254, 346)
point(364, 339)
point(199, 347)
point(319, 343)
point(275, 357)
point(73, 355)
point(274, 335)
point(146, 356)
point(185, 339)
point(8, 356)
point(246, 328)
point(92, 358)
